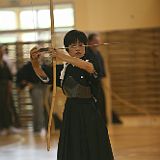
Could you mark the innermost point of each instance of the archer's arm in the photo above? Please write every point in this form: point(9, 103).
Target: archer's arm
point(85, 65)
point(34, 56)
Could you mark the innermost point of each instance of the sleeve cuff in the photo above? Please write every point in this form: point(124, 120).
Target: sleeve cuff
point(43, 79)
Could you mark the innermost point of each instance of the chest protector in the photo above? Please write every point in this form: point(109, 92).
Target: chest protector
point(73, 89)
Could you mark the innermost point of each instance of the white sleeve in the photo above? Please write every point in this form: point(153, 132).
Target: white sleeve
point(43, 79)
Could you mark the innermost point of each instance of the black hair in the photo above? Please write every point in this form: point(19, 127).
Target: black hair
point(74, 35)
point(91, 36)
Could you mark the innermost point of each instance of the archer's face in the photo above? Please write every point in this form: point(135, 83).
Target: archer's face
point(77, 50)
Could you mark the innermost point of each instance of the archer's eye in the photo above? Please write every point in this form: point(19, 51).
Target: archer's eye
point(78, 45)
point(73, 46)
point(81, 45)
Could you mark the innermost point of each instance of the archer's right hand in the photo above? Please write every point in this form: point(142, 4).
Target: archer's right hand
point(34, 54)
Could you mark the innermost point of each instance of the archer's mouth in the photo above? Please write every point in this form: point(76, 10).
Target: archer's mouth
point(78, 53)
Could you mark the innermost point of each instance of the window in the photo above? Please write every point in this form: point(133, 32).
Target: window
point(8, 20)
point(5, 38)
point(40, 18)
point(31, 36)
point(44, 18)
point(64, 17)
point(29, 19)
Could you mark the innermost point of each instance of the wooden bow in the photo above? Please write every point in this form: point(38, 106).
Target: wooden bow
point(54, 76)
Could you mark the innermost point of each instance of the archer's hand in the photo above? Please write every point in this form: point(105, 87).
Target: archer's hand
point(59, 53)
point(34, 56)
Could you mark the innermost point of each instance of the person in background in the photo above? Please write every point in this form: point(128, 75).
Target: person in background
point(26, 77)
point(83, 135)
point(11, 64)
point(5, 92)
point(92, 51)
point(12, 67)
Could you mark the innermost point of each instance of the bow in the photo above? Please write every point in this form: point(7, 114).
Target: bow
point(54, 76)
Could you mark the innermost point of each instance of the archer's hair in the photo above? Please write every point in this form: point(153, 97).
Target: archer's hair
point(73, 36)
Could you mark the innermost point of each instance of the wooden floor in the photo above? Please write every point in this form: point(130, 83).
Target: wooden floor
point(137, 139)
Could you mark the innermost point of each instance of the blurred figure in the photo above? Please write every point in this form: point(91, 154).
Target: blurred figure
point(5, 92)
point(11, 64)
point(12, 67)
point(93, 52)
point(27, 77)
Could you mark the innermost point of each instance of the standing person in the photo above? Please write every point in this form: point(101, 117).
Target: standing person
point(5, 92)
point(93, 52)
point(12, 67)
point(11, 64)
point(27, 77)
point(83, 135)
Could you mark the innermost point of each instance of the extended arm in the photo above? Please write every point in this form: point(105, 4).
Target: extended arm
point(87, 66)
point(34, 55)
